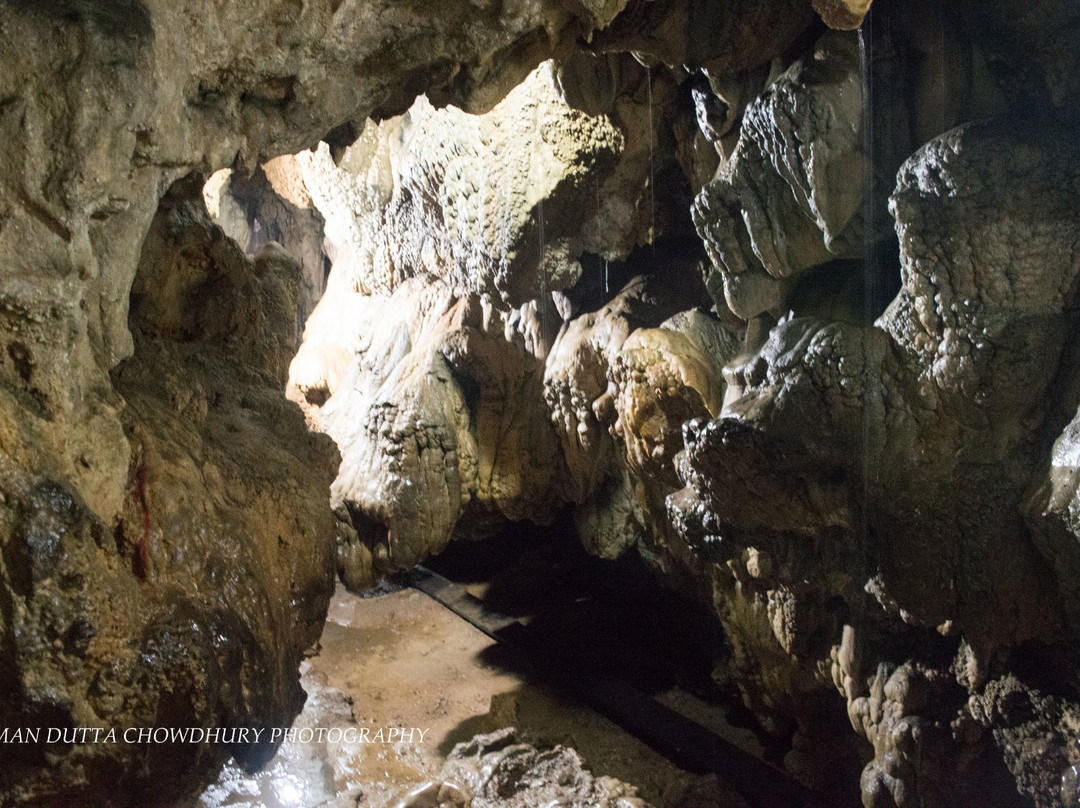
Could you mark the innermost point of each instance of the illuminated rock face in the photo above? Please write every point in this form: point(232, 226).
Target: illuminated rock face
point(791, 196)
point(497, 770)
point(426, 358)
point(844, 483)
point(166, 541)
point(878, 498)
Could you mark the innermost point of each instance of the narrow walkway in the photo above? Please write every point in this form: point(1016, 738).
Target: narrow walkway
point(401, 662)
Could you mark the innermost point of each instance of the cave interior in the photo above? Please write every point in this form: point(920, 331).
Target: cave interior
point(600, 403)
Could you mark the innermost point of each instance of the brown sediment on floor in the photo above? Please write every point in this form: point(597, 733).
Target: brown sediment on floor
point(403, 661)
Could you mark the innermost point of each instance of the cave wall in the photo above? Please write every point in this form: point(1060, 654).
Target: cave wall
point(167, 545)
point(829, 390)
point(786, 310)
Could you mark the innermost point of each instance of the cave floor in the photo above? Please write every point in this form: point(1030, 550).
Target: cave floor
point(400, 660)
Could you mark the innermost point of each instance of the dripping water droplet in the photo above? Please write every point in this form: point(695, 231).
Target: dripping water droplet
point(869, 270)
point(543, 277)
point(603, 296)
point(652, 168)
point(505, 221)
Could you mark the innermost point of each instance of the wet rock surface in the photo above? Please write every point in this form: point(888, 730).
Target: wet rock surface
point(858, 486)
point(497, 769)
point(464, 697)
point(791, 195)
point(650, 283)
point(167, 545)
point(437, 241)
point(166, 541)
point(193, 606)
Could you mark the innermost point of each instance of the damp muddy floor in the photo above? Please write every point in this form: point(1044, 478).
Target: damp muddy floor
point(398, 659)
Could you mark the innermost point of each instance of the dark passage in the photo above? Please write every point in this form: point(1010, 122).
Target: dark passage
point(606, 632)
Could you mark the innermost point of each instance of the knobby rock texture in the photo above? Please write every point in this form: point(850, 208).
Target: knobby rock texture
point(786, 308)
point(497, 769)
point(167, 541)
point(808, 351)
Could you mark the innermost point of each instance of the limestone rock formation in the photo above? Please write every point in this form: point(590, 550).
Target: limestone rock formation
point(453, 237)
point(879, 502)
point(791, 195)
point(620, 382)
point(714, 34)
point(273, 205)
point(166, 542)
point(193, 606)
point(917, 413)
point(846, 15)
point(871, 503)
point(497, 770)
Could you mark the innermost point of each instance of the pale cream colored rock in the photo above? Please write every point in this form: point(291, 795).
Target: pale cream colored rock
point(433, 223)
point(436, 407)
point(500, 771)
point(272, 205)
point(287, 180)
point(459, 198)
point(104, 106)
point(576, 389)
